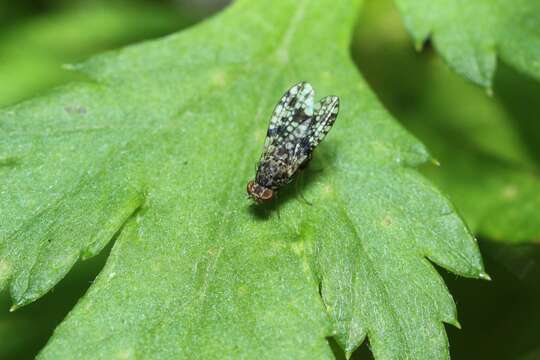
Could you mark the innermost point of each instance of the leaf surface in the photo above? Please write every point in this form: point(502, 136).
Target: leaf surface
point(157, 149)
point(470, 35)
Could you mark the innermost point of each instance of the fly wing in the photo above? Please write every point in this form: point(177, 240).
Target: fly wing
point(293, 109)
point(325, 115)
point(289, 125)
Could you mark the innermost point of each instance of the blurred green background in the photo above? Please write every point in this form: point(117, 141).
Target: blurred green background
point(39, 39)
point(488, 147)
point(489, 153)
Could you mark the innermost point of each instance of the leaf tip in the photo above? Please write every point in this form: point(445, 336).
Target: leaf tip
point(435, 162)
point(86, 254)
point(23, 300)
point(419, 45)
point(484, 276)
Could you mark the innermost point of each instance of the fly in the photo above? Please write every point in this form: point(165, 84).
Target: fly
point(296, 127)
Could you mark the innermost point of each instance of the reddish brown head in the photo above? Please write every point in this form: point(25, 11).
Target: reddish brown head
point(259, 193)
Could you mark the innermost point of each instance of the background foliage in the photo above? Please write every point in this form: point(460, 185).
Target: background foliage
point(489, 166)
point(489, 154)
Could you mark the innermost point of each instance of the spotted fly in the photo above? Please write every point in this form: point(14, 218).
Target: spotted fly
point(296, 127)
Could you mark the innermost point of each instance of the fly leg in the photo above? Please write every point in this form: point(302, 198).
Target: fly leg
point(276, 205)
point(299, 188)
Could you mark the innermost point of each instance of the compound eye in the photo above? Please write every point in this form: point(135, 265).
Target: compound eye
point(250, 185)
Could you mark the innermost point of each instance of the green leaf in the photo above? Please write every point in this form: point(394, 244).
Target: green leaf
point(498, 186)
point(470, 35)
point(25, 332)
point(33, 51)
point(487, 147)
point(157, 149)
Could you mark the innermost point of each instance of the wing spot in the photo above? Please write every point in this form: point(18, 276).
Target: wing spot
point(124, 354)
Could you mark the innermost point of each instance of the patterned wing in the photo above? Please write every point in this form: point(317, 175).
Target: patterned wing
point(325, 115)
point(294, 107)
point(288, 127)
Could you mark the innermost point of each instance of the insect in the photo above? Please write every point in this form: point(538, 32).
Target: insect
point(296, 127)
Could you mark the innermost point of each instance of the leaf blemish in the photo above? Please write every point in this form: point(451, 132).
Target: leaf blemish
point(387, 220)
point(510, 192)
point(277, 245)
point(214, 251)
point(124, 354)
point(298, 247)
point(327, 189)
point(219, 79)
point(242, 290)
point(75, 109)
